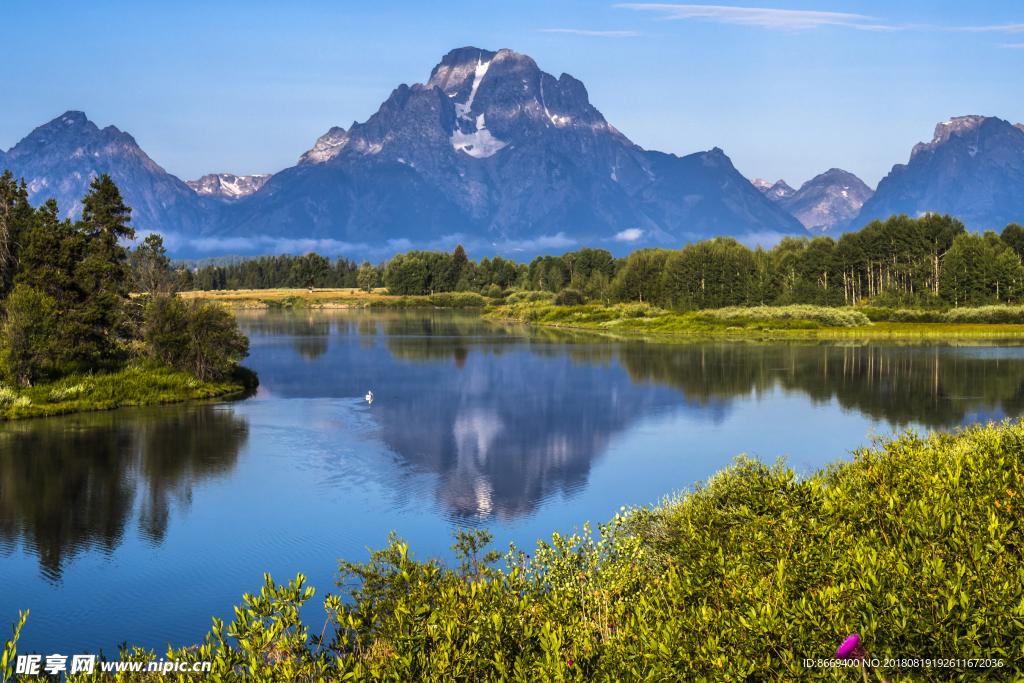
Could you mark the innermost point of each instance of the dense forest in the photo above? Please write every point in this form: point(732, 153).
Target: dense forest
point(931, 261)
point(65, 295)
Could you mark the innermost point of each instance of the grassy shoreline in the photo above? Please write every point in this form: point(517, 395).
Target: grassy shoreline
point(640, 319)
point(127, 387)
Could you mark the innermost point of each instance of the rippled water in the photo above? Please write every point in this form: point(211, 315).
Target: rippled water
point(141, 524)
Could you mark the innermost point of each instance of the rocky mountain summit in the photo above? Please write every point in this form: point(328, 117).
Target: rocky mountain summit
point(226, 187)
point(493, 148)
point(60, 159)
point(828, 201)
point(973, 168)
point(777, 193)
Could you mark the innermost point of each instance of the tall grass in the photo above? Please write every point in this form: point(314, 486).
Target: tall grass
point(138, 384)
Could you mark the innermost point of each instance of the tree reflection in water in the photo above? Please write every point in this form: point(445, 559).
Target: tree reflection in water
point(70, 490)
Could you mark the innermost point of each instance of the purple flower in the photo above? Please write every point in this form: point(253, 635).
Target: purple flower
point(849, 647)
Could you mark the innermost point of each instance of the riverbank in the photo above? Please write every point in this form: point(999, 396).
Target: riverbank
point(135, 385)
point(793, 322)
point(334, 298)
point(913, 543)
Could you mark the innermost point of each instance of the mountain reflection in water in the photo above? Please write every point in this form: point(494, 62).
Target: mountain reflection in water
point(506, 415)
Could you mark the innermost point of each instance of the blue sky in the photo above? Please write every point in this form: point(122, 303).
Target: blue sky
point(788, 89)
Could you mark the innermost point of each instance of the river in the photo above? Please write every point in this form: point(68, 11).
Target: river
point(141, 524)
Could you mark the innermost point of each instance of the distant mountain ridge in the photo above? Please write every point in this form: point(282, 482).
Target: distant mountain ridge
point(826, 202)
point(494, 148)
point(59, 159)
point(973, 168)
point(497, 154)
point(491, 151)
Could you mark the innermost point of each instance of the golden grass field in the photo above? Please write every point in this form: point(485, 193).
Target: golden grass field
point(330, 298)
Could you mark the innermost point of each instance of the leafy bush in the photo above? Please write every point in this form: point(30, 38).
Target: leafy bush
point(986, 315)
point(9, 396)
point(638, 311)
point(199, 338)
point(570, 297)
point(29, 334)
point(457, 300)
point(403, 302)
point(829, 317)
point(529, 297)
point(494, 292)
point(903, 315)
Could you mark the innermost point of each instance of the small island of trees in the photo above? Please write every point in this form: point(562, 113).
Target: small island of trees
point(73, 337)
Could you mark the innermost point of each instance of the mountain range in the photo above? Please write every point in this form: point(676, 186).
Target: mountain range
point(503, 157)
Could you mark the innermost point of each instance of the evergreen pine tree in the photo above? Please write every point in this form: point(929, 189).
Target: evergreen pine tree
point(459, 261)
point(104, 273)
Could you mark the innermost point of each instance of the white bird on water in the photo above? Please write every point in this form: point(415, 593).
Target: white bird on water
point(369, 396)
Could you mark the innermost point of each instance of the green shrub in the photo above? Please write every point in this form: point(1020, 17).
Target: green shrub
point(28, 335)
point(529, 297)
point(199, 338)
point(457, 300)
point(494, 292)
point(638, 311)
point(986, 315)
point(829, 317)
point(570, 297)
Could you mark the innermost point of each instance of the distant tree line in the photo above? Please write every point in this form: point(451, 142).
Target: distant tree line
point(274, 272)
point(929, 261)
point(65, 303)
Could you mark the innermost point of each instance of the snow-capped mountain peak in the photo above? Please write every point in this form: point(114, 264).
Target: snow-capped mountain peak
point(227, 187)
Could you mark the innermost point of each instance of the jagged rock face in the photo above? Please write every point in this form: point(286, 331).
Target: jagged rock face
point(779, 192)
point(61, 158)
point(226, 187)
point(828, 201)
point(973, 169)
point(494, 147)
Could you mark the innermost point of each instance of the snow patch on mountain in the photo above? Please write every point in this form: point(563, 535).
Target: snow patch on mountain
point(462, 110)
point(480, 144)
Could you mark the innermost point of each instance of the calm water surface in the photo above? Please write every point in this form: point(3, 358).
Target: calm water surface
point(141, 524)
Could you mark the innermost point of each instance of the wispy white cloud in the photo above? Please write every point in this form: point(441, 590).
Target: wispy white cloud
point(1004, 28)
point(1012, 46)
point(761, 16)
point(581, 32)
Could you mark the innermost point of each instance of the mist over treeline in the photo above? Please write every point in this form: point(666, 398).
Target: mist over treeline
point(931, 261)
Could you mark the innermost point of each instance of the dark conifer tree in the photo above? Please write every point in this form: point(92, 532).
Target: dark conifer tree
point(104, 274)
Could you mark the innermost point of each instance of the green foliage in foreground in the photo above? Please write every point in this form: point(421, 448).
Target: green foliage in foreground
point(138, 384)
point(915, 544)
point(651, 319)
